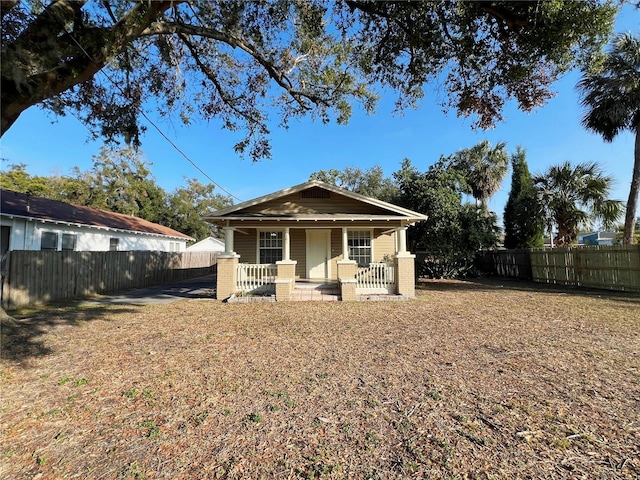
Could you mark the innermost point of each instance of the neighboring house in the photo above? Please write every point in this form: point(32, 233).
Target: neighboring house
point(36, 223)
point(315, 232)
point(597, 238)
point(209, 244)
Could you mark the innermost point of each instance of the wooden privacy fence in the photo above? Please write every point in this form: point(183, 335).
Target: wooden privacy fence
point(606, 267)
point(611, 268)
point(506, 263)
point(35, 277)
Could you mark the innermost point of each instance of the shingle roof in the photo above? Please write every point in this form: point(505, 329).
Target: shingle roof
point(23, 205)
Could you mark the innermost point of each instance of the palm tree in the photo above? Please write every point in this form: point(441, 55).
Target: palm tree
point(573, 197)
point(612, 99)
point(484, 169)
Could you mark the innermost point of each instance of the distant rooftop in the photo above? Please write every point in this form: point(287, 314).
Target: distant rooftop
point(27, 206)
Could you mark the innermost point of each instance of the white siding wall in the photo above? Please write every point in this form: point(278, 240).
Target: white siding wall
point(26, 235)
point(207, 245)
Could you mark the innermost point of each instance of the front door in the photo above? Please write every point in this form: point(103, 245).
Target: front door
point(318, 253)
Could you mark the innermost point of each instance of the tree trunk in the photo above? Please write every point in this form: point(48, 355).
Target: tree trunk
point(632, 203)
point(46, 60)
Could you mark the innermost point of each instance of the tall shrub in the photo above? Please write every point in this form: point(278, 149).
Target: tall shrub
point(523, 222)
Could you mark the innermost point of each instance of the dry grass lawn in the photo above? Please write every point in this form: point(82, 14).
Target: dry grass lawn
point(486, 380)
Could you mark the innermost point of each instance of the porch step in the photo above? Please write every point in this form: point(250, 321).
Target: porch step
point(317, 286)
point(308, 291)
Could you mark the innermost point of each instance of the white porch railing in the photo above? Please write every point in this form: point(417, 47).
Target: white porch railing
point(376, 278)
point(252, 277)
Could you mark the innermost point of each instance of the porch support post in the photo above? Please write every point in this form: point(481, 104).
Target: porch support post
point(228, 240)
point(285, 279)
point(401, 239)
point(227, 278)
point(347, 270)
point(286, 254)
point(345, 244)
point(405, 274)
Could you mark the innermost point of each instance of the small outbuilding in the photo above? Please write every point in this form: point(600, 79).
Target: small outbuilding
point(209, 244)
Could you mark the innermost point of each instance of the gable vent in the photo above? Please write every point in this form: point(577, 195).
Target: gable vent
point(315, 192)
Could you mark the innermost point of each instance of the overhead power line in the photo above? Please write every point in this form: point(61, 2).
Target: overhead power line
point(153, 124)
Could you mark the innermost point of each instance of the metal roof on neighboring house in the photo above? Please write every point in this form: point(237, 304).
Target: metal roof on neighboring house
point(27, 206)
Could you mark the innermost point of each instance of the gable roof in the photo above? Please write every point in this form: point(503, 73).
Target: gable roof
point(209, 244)
point(382, 210)
point(21, 205)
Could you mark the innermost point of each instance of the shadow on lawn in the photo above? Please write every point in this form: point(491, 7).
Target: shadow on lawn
point(492, 284)
point(23, 337)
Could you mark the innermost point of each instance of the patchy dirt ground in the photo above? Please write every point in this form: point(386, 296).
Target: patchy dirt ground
point(487, 380)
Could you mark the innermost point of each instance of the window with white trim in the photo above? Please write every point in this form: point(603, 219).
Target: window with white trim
point(359, 242)
point(69, 241)
point(114, 244)
point(270, 247)
point(49, 241)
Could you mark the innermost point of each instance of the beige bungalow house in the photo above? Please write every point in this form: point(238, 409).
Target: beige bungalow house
point(315, 232)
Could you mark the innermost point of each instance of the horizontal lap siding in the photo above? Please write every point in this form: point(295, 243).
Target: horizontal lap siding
point(246, 245)
point(298, 251)
point(336, 251)
point(336, 204)
point(383, 245)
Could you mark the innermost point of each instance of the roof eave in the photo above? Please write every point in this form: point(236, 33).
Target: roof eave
point(309, 184)
point(345, 218)
point(99, 227)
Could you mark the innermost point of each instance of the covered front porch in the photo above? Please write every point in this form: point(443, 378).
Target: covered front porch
point(349, 261)
point(315, 232)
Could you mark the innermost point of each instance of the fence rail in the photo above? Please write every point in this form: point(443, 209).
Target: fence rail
point(36, 277)
point(376, 277)
point(604, 267)
point(254, 277)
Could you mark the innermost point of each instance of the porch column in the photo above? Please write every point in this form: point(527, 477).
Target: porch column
point(405, 274)
point(228, 240)
point(227, 275)
point(401, 240)
point(286, 254)
point(345, 244)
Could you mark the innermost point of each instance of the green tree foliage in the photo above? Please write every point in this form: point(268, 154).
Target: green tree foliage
point(483, 168)
point(435, 193)
point(574, 197)
point(611, 96)
point(454, 232)
point(371, 183)
point(236, 60)
point(120, 181)
point(523, 219)
point(17, 179)
point(187, 205)
point(123, 183)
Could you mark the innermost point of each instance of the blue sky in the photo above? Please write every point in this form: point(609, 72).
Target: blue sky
point(549, 135)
